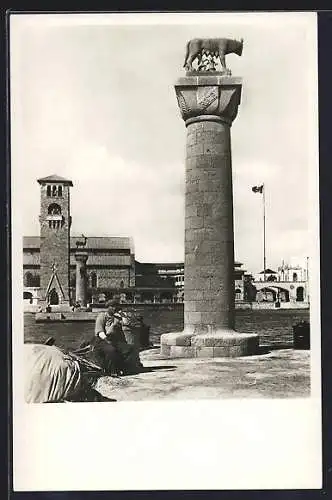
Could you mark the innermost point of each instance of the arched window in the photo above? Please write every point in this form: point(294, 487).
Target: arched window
point(28, 279)
point(59, 190)
point(48, 190)
point(54, 190)
point(238, 293)
point(294, 277)
point(121, 284)
point(27, 295)
point(93, 280)
point(54, 209)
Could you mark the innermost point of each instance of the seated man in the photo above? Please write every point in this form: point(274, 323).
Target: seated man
point(110, 343)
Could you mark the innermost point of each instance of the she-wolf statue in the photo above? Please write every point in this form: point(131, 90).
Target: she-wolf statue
point(217, 47)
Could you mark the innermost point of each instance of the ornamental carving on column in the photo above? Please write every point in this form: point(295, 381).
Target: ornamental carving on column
point(220, 100)
point(206, 90)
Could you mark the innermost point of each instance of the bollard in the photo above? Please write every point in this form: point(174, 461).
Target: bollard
point(301, 335)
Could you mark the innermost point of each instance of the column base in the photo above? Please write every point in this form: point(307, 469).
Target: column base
point(221, 343)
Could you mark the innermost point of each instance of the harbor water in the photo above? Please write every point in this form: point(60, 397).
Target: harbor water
point(274, 327)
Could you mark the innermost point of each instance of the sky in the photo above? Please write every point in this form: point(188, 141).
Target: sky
point(93, 100)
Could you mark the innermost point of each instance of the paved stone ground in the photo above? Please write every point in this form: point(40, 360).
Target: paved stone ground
point(280, 373)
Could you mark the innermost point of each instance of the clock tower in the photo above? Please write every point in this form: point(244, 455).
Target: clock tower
point(55, 222)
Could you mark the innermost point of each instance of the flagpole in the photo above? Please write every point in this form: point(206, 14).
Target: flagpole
point(264, 234)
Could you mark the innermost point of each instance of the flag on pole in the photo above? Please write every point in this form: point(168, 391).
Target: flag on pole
point(257, 189)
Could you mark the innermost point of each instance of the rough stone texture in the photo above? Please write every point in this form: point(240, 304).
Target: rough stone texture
point(165, 350)
point(55, 244)
point(112, 277)
point(216, 345)
point(223, 339)
point(209, 233)
point(175, 338)
point(208, 105)
point(177, 351)
point(81, 278)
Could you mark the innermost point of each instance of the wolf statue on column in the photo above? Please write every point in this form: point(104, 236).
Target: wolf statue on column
point(216, 47)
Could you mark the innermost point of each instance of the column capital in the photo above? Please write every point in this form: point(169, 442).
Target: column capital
point(208, 97)
point(81, 256)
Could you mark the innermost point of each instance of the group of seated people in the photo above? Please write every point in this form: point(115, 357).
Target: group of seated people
point(115, 346)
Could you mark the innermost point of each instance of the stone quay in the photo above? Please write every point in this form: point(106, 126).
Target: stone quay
point(208, 104)
point(81, 280)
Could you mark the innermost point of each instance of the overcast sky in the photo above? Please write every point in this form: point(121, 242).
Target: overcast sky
point(94, 101)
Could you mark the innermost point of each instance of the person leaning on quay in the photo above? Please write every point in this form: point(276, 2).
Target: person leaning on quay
point(116, 356)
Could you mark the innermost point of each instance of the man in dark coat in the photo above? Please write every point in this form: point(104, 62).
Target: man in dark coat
point(116, 355)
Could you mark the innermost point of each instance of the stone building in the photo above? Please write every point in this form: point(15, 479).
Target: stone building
point(49, 264)
point(54, 244)
point(49, 259)
point(290, 284)
point(158, 282)
point(291, 272)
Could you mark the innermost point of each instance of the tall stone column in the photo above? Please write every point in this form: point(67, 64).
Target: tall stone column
point(208, 105)
point(81, 278)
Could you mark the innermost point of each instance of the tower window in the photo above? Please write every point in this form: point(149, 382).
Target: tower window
point(59, 190)
point(54, 190)
point(55, 224)
point(48, 191)
point(31, 279)
point(54, 209)
point(28, 279)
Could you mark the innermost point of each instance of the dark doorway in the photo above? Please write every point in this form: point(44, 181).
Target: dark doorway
point(54, 297)
point(300, 294)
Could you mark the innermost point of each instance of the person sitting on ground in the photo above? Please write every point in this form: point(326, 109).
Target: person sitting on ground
point(116, 355)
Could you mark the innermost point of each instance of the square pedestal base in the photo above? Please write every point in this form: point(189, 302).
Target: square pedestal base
point(223, 343)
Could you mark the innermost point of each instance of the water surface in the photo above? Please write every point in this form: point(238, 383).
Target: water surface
point(273, 326)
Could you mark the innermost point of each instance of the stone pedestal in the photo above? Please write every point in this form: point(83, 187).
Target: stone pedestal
point(208, 104)
point(81, 279)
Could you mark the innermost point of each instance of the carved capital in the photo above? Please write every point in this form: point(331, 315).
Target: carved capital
point(210, 96)
point(81, 257)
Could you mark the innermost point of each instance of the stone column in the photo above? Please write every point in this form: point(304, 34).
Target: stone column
point(208, 105)
point(81, 278)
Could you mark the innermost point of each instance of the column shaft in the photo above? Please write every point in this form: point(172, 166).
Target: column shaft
point(81, 284)
point(209, 242)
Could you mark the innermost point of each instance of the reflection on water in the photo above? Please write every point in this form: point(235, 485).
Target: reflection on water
point(274, 326)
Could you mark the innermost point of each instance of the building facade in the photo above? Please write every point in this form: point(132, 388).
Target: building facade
point(49, 264)
point(55, 222)
point(289, 284)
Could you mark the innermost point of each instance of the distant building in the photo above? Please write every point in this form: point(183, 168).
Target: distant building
point(49, 261)
point(110, 265)
point(270, 275)
point(288, 284)
point(49, 265)
point(293, 273)
point(167, 280)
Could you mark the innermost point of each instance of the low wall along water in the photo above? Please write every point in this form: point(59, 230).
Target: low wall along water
point(273, 326)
